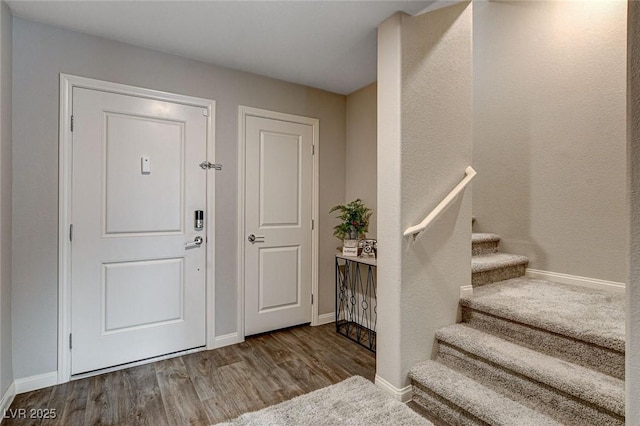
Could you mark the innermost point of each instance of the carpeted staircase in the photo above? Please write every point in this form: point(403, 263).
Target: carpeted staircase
point(528, 352)
point(488, 265)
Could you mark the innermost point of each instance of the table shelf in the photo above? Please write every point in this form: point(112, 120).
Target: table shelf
point(356, 301)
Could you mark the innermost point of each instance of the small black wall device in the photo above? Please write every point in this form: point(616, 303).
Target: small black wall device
point(199, 220)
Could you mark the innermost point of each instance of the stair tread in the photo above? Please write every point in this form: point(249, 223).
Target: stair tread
point(584, 314)
point(475, 398)
point(589, 385)
point(488, 262)
point(484, 237)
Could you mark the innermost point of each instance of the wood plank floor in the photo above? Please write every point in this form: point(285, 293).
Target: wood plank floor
point(206, 387)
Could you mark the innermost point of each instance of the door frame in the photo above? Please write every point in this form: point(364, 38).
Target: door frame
point(67, 83)
point(243, 113)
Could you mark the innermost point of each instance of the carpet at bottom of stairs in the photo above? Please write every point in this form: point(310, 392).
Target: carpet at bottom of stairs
point(354, 401)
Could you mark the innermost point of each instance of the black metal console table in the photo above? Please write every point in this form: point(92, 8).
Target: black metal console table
point(356, 302)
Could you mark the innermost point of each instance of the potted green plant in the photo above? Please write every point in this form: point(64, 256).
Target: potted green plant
point(355, 224)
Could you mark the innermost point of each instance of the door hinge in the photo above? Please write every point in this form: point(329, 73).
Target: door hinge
point(207, 165)
point(313, 224)
point(70, 341)
point(312, 298)
point(72, 123)
point(205, 112)
point(313, 150)
point(71, 232)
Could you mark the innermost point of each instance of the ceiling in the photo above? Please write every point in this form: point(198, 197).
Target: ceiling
point(329, 45)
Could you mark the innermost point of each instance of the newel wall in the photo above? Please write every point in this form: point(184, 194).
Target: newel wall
point(424, 145)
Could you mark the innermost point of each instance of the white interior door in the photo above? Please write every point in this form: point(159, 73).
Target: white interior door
point(278, 213)
point(137, 290)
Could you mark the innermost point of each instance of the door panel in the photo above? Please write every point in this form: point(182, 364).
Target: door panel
point(139, 202)
point(279, 278)
point(128, 283)
point(278, 202)
point(279, 192)
point(136, 291)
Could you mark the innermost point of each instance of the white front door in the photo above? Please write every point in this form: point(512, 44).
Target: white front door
point(137, 289)
point(278, 206)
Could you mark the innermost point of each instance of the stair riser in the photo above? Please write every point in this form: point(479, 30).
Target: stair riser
point(586, 354)
point(499, 274)
point(563, 407)
point(446, 412)
point(418, 408)
point(485, 247)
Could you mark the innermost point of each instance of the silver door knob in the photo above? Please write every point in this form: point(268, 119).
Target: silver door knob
point(197, 241)
point(255, 238)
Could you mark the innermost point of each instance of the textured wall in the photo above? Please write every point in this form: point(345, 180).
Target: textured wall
point(549, 133)
point(632, 373)
point(361, 160)
point(41, 52)
point(389, 350)
point(425, 136)
point(6, 48)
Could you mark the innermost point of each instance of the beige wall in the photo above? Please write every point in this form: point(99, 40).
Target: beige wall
point(361, 159)
point(632, 372)
point(6, 367)
point(42, 52)
point(549, 133)
point(424, 146)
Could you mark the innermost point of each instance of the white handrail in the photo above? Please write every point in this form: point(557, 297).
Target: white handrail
point(416, 229)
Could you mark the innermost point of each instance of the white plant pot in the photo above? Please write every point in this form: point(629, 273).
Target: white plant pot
point(350, 248)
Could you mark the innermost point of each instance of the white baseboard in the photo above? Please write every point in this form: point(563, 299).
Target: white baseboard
point(401, 394)
point(594, 283)
point(326, 318)
point(7, 399)
point(27, 384)
point(227, 340)
point(466, 291)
